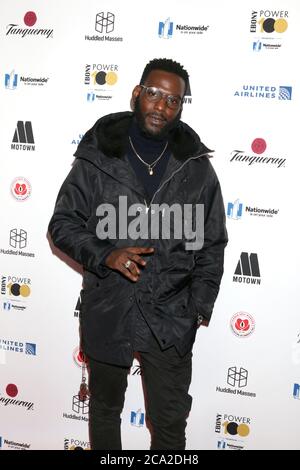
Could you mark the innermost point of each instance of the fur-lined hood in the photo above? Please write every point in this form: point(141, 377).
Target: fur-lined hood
point(109, 135)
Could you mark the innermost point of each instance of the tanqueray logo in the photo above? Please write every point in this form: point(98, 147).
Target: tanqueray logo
point(258, 147)
point(30, 19)
point(11, 400)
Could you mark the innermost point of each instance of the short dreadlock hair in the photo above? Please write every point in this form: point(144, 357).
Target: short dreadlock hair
point(168, 65)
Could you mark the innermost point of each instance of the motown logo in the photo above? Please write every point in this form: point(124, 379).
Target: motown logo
point(18, 238)
point(105, 22)
point(247, 270)
point(23, 137)
point(237, 377)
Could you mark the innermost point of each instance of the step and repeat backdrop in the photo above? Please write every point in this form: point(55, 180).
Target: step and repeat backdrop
point(62, 66)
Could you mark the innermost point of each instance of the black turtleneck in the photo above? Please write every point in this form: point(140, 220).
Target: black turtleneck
point(149, 150)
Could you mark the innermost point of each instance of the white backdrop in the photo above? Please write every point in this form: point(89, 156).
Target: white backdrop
point(242, 59)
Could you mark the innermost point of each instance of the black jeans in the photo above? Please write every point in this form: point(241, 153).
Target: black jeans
point(166, 380)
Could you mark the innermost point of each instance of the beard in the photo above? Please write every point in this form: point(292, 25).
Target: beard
point(159, 135)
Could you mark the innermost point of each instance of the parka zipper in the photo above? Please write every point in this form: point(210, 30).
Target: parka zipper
point(170, 177)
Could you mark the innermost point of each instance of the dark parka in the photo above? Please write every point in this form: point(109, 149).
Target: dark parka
point(177, 285)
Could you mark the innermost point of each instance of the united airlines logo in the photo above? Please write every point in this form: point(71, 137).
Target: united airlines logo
point(247, 270)
point(23, 137)
point(237, 377)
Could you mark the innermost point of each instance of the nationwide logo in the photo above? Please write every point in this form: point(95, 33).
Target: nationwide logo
point(101, 78)
point(235, 210)
point(23, 137)
point(18, 347)
point(137, 418)
point(296, 391)
point(76, 444)
point(166, 29)
point(224, 445)
point(20, 188)
point(282, 92)
point(11, 80)
point(237, 378)
point(234, 426)
point(247, 270)
point(17, 240)
point(242, 324)
point(30, 18)
point(104, 24)
point(258, 147)
point(9, 444)
point(11, 393)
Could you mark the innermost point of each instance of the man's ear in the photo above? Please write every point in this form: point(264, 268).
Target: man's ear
point(136, 92)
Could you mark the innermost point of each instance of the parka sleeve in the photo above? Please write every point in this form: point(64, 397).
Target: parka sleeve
point(68, 226)
point(209, 260)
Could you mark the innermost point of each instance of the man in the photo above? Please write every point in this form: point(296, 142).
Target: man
point(144, 290)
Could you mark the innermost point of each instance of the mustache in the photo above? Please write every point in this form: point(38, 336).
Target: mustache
point(158, 116)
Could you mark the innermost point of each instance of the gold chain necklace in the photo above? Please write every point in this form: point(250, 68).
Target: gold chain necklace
point(150, 166)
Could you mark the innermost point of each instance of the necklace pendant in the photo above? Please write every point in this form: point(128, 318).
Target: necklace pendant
point(150, 171)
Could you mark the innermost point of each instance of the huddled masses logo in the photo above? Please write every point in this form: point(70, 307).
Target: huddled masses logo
point(237, 377)
point(105, 22)
point(21, 188)
point(242, 324)
point(18, 238)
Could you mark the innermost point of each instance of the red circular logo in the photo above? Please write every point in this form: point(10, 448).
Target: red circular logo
point(259, 145)
point(21, 188)
point(30, 18)
point(12, 390)
point(242, 324)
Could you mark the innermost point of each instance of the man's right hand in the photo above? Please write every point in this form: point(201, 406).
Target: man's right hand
point(120, 257)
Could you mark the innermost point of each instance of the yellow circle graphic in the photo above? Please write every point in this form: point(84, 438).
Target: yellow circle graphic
point(280, 26)
point(243, 430)
point(24, 290)
point(111, 78)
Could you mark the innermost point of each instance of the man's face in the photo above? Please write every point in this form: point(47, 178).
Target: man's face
point(157, 118)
